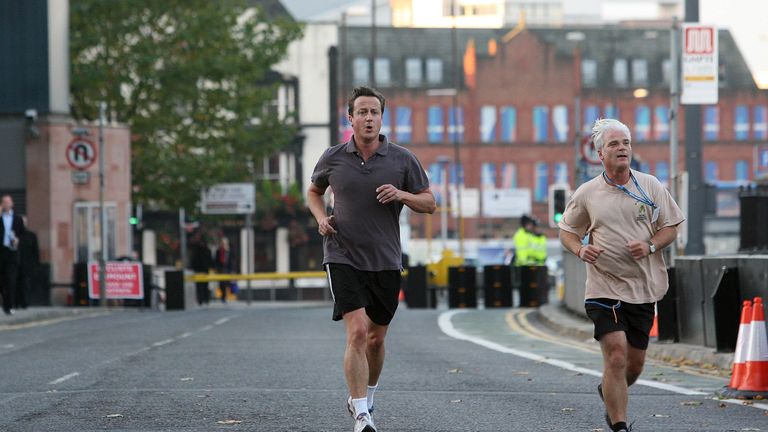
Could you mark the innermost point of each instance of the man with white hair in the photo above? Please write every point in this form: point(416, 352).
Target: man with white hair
point(629, 218)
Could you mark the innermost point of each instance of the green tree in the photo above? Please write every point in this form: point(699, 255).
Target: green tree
point(191, 79)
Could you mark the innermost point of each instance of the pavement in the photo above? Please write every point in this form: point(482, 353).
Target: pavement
point(554, 316)
point(566, 323)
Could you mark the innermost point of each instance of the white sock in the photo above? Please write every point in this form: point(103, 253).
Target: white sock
point(361, 406)
point(371, 391)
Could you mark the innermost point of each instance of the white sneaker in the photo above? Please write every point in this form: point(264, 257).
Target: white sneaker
point(364, 423)
point(351, 408)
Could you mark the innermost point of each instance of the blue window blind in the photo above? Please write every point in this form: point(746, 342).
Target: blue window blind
point(645, 167)
point(742, 170)
point(541, 182)
point(508, 176)
point(436, 181)
point(435, 127)
point(487, 123)
point(508, 124)
point(386, 123)
point(710, 171)
point(403, 126)
point(453, 173)
point(456, 124)
point(611, 111)
point(662, 172)
point(711, 123)
point(540, 123)
point(591, 113)
point(561, 172)
point(560, 122)
point(642, 123)
point(741, 123)
point(760, 123)
point(661, 123)
point(488, 175)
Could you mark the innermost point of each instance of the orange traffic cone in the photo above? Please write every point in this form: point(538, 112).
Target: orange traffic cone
point(739, 358)
point(756, 371)
point(401, 297)
point(655, 327)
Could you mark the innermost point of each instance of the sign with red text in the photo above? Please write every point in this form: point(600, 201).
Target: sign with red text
point(699, 64)
point(124, 280)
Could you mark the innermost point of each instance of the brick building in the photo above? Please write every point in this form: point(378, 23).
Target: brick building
point(526, 97)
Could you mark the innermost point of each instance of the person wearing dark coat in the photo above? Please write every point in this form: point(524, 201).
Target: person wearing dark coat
point(225, 264)
point(202, 262)
point(29, 260)
point(11, 231)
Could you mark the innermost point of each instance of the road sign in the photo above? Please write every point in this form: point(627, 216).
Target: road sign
point(81, 177)
point(81, 153)
point(699, 64)
point(229, 198)
point(124, 280)
point(506, 202)
point(588, 151)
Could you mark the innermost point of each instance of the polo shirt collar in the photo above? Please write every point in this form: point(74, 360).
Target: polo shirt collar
point(382, 150)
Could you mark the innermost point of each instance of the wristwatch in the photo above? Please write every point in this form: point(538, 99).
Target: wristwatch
point(651, 247)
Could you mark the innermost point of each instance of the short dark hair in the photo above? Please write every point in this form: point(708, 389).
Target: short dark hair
point(364, 91)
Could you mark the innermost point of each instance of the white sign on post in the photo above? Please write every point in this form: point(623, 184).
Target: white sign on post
point(229, 198)
point(699, 64)
point(506, 202)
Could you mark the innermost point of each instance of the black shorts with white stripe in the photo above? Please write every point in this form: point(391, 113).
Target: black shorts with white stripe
point(352, 289)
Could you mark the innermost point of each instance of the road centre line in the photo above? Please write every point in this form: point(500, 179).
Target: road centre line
point(446, 326)
point(64, 378)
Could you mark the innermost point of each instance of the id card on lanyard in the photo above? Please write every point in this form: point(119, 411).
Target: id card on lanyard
point(642, 198)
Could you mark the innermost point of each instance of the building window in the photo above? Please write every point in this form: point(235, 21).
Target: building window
point(560, 122)
point(487, 124)
point(508, 176)
point(435, 127)
point(588, 73)
point(386, 124)
point(457, 175)
point(456, 124)
point(661, 123)
point(437, 183)
point(741, 125)
point(760, 123)
point(383, 73)
point(403, 126)
point(413, 72)
point(620, 72)
point(561, 173)
point(611, 111)
point(666, 71)
point(434, 71)
point(508, 124)
point(591, 113)
point(639, 72)
point(361, 73)
point(662, 172)
point(742, 170)
point(540, 124)
point(488, 175)
point(711, 172)
point(642, 123)
point(87, 223)
point(711, 123)
point(541, 182)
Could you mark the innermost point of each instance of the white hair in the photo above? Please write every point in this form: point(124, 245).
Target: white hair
point(603, 125)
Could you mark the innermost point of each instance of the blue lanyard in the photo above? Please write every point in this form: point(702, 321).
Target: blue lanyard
point(643, 199)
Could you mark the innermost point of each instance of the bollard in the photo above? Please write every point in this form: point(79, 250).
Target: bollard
point(174, 290)
point(416, 290)
point(497, 286)
point(462, 287)
point(534, 286)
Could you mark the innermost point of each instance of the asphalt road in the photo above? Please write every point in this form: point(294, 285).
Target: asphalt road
point(279, 369)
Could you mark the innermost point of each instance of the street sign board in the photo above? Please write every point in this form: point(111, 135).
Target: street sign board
point(81, 153)
point(124, 280)
point(506, 202)
point(229, 198)
point(699, 62)
point(588, 151)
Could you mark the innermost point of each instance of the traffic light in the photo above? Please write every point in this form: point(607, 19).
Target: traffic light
point(558, 197)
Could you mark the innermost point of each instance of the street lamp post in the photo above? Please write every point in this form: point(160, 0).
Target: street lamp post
point(455, 108)
point(102, 210)
point(444, 161)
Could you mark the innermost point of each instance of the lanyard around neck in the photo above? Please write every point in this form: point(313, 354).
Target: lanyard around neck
point(643, 199)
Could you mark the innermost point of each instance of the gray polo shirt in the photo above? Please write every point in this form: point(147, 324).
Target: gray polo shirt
point(368, 232)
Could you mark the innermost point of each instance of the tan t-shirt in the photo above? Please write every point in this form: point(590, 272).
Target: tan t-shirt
point(613, 218)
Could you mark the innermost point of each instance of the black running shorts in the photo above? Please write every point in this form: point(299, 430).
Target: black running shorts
point(352, 289)
point(611, 315)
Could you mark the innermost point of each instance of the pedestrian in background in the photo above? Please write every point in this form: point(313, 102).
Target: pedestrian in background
point(530, 244)
point(29, 260)
point(372, 179)
point(225, 264)
point(11, 231)
point(630, 217)
point(202, 262)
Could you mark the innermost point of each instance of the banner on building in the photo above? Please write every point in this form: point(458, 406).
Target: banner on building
point(699, 64)
point(124, 280)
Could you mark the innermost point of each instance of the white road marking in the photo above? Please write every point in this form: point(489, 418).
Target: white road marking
point(222, 321)
point(162, 342)
point(64, 378)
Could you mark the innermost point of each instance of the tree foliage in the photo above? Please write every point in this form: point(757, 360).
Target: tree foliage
point(191, 79)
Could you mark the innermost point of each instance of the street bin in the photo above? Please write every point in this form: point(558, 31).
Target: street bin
point(497, 286)
point(534, 286)
point(667, 311)
point(417, 293)
point(462, 287)
point(174, 290)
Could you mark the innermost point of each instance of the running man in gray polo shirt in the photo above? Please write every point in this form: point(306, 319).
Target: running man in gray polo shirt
point(371, 179)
